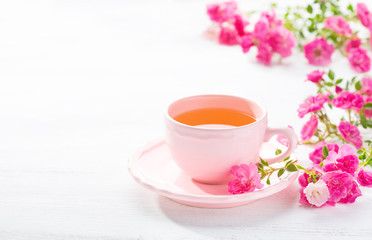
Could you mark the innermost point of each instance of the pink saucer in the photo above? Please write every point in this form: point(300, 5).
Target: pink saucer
point(153, 167)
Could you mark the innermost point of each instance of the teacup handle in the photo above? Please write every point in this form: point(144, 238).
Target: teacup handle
point(288, 133)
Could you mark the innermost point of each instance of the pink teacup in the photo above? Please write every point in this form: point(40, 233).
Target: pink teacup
point(206, 153)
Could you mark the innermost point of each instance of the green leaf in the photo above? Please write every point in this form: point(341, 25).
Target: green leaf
point(367, 105)
point(323, 7)
point(329, 84)
point(278, 151)
point(330, 105)
point(285, 159)
point(363, 120)
point(268, 181)
point(260, 165)
point(309, 9)
point(264, 162)
point(360, 151)
point(358, 85)
point(339, 81)
point(321, 164)
point(291, 168)
point(280, 172)
point(325, 151)
point(331, 74)
point(350, 8)
point(300, 167)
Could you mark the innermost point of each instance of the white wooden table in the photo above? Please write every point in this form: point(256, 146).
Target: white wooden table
point(84, 84)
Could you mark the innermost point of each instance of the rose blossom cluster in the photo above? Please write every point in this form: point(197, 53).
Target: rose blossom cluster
point(343, 99)
point(333, 178)
point(269, 34)
point(246, 179)
point(329, 31)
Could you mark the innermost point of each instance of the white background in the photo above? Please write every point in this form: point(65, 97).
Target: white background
point(84, 84)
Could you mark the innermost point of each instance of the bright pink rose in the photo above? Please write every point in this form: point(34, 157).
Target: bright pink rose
point(317, 155)
point(303, 199)
point(247, 179)
point(261, 31)
point(282, 41)
point(352, 44)
point(338, 24)
point(222, 12)
point(359, 60)
point(264, 54)
point(283, 139)
point(246, 43)
point(351, 134)
point(365, 178)
point(309, 128)
point(348, 100)
point(319, 52)
point(240, 23)
point(312, 104)
point(366, 86)
point(228, 36)
point(367, 111)
point(338, 89)
point(364, 14)
point(341, 186)
point(315, 76)
point(345, 160)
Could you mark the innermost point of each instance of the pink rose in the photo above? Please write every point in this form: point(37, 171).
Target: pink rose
point(359, 60)
point(309, 128)
point(246, 43)
point(228, 36)
point(284, 140)
point(282, 41)
point(304, 178)
point(315, 76)
point(347, 100)
point(247, 179)
point(319, 52)
point(312, 104)
point(338, 89)
point(271, 18)
point(364, 14)
point(351, 134)
point(345, 160)
point(222, 12)
point(338, 24)
point(365, 178)
point(341, 186)
point(240, 23)
point(352, 44)
point(317, 194)
point(264, 54)
point(261, 31)
point(366, 86)
point(317, 155)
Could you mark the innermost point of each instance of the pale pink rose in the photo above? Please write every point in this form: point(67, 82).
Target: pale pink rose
point(315, 76)
point(246, 43)
point(317, 155)
point(348, 100)
point(364, 14)
point(309, 128)
point(341, 186)
point(240, 23)
point(317, 193)
point(351, 134)
point(228, 36)
point(283, 139)
point(352, 44)
point(359, 60)
point(365, 178)
point(264, 54)
point(247, 179)
point(338, 24)
point(282, 41)
point(312, 104)
point(345, 160)
point(319, 52)
point(366, 86)
point(222, 12)
point(271, 18)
